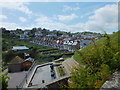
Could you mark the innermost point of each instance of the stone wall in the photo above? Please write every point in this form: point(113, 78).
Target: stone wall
point(113, 83)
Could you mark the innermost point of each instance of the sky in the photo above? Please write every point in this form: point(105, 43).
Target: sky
point(64, 16)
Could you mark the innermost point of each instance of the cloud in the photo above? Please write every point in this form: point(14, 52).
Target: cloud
point(20, 6)
point(22, 19)
point(3, 17)
point(86, 14)
point(43, 19)
point(102, 19)
point(68, 8)
point(66, 18)
point(48, 23)
point(9, 25)
point(105, 19)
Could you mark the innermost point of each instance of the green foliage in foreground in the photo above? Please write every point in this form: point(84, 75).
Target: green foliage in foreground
point(97, 63)
point(4, 79)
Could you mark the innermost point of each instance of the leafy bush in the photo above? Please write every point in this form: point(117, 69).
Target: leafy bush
point(4, 80)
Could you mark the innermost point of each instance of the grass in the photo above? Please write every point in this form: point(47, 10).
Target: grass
point(61, 71)
point(58, 62)
point(66, 58)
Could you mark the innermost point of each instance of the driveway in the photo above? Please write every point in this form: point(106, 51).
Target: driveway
point(15, 78)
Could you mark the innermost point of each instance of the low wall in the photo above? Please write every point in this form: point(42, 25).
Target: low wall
point(113, 83)
point(58, 83)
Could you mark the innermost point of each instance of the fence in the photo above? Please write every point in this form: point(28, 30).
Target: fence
point(20, 85)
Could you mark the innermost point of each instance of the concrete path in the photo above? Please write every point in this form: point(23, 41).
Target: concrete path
point(69, 64)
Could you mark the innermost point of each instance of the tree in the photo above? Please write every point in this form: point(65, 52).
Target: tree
point(7, 56)
point(39, 29)
point(34, 52)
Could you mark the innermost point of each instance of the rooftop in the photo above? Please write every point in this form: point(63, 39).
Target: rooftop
point(29, 59)
point(16, 60)
point(19, 48)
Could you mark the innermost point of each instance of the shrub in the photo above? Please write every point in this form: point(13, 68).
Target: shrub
point(4, 79)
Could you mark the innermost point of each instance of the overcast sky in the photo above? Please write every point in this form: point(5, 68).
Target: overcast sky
point(65, 16)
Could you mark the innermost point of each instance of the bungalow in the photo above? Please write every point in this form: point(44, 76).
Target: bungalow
point(75, 45)
point(19, 48)
point(26, 32)
point(65, 44)
point(51, 35)
point(38, 34)
point(17, 64)
point(65, 35)
point(22, 36)
point(71, 45)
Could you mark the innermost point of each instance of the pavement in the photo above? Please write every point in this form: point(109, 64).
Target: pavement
point(15, 78)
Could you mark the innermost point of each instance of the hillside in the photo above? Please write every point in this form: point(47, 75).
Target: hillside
point(98, 62)
point(114, 43)
point(42, 54)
